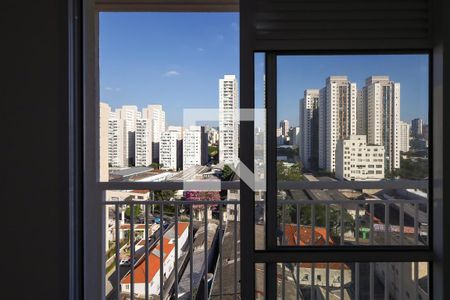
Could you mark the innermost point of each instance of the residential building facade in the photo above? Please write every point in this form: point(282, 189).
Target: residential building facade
point(417, 127)
point(337, 117)
point(383, 117)
point(404, 136)
point(195, 147)
point(170, 147)
point(309, 125)
point(143, 142)
point(355, 160)
point(129, 114)
point(228, 119)
point(156, 117)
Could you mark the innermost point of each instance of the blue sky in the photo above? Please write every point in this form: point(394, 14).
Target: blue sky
point(173, 59)
point(297, 73)
point(176, 59)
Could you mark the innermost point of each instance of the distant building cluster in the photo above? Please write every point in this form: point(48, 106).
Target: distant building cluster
point(141, 138)
point(342, 127)
point(288, 135)
point(334, 117)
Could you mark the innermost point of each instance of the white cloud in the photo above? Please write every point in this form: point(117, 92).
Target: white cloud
point(235, 26)
point(112, 89)
point(171, 73)
point(200, 49)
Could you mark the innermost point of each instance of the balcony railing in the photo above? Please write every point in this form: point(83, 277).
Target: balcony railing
point(183, 249)
point(191, 257)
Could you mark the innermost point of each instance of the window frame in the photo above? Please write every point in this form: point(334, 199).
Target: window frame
point(84, 113)
point(93, 209)
point(274, 253)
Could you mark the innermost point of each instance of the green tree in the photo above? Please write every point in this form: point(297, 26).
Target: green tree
point(305, 215)
point(137, 211)
point(227, 173)
point(291, 173)
point(414, 169)
point(154, 166)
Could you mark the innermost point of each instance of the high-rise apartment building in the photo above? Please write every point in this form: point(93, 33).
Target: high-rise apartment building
point(170, 149)
point(417, 127)
point(355, 160)
point(156, 117)
point(361, 111)
point(143, 142)
point(116, 138)
point(309, 126)
point(213, 136)
point(284, 125)
point(383, 117)
point(425, 134)
point(105, 110)
point(129, 114)
point(337, 117)
point(195, 147)
point(404, 136)
point(294, 136)
point(228, 119)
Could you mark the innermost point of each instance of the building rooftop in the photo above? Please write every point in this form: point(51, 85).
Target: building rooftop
point(130, 171)
point(154, 258)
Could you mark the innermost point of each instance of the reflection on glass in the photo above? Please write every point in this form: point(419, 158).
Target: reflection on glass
point(351, 218)
point(178, 238)
point(166, 114)
point(353, 118)
point(375, 280)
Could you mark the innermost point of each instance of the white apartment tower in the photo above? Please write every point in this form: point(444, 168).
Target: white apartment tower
point(195, 147)
point(228, 119)
point(404, 136)
point(284, 125)
point(337, 117)
point(143, 144)
point(355, 160)
point(129, 114)
point(105, 111)
point(308, 105)
point(116, 138)
point(383, 117)
point(156, 117)
point(170, 149)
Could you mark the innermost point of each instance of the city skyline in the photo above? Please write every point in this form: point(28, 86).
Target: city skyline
point(182, 71)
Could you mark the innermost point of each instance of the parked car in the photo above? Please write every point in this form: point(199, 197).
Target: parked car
point(125, 262)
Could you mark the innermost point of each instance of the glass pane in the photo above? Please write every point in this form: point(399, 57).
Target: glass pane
point(169, 96)
point(142, 224)
point(376, 280)
point(354, 118)
point(349, 217)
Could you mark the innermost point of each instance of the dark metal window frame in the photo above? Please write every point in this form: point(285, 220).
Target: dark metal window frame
point(84, 184)
point(274, 253)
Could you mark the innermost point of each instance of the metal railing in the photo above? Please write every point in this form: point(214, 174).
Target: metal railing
point(207, 266)
point(201, 259)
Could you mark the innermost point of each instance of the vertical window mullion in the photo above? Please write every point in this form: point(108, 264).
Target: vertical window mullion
point(271, 185)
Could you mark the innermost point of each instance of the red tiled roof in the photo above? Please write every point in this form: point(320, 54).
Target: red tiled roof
point(305, 235)
point(153, 259)
point(320, 233)
point(140, 191)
